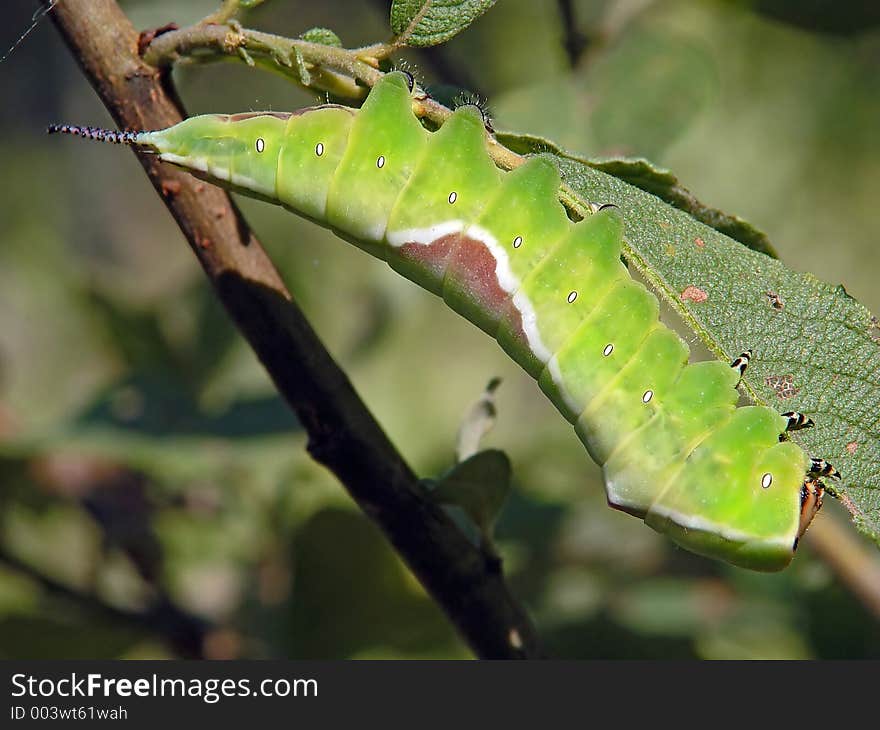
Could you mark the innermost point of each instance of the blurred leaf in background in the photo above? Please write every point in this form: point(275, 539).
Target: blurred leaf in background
point(145, 456)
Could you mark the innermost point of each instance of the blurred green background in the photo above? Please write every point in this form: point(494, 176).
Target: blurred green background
point(155, 496)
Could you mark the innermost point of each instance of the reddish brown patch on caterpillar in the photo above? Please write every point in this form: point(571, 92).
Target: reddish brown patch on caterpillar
point(432, 256)
point(466, 270)
point(693, 294)
point(471, 272)
point(783, 385)
point(852, 446)
point(699, 242)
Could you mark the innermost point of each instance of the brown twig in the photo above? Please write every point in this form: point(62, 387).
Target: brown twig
point(343, 72)
point(330, 69)
point(343, 435)
point(227, 11)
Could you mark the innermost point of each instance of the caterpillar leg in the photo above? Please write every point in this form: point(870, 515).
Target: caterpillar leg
point(812, 493)
point(742, 362)
point(821, 468)
point(797, 421)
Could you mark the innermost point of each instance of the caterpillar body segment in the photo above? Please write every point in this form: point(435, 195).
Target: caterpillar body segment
point(383, 149)
point(499, 248)
point(311, 149)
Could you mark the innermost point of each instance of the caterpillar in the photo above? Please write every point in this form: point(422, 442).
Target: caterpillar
point(499, 248)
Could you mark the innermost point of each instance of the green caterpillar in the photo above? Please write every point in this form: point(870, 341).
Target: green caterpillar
point(500, 249)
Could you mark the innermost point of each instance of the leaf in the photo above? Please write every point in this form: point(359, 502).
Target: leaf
point(423, 23)
point(478, 486)
point(322, 36)
point(301, 68)
point(660, 182)
point(477, 422)
point(813, 347)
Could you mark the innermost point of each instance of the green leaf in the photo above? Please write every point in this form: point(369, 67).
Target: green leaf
point(478, 486)
point(323, 36)
point(652, 179)
point(662, 183)
point(423, 23)
point(813, 349)
point(301, 67)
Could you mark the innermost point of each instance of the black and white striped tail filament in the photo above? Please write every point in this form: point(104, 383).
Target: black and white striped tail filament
point(96, 133)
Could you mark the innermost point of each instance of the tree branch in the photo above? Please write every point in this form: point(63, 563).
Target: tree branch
point(184, 632)
point(343, 435)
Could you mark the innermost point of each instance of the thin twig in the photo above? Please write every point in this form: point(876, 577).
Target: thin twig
point(573, 40)
point(341, 72)
point(226, 12)
point(208, 41)
point(343, 435)
point(185, 633)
